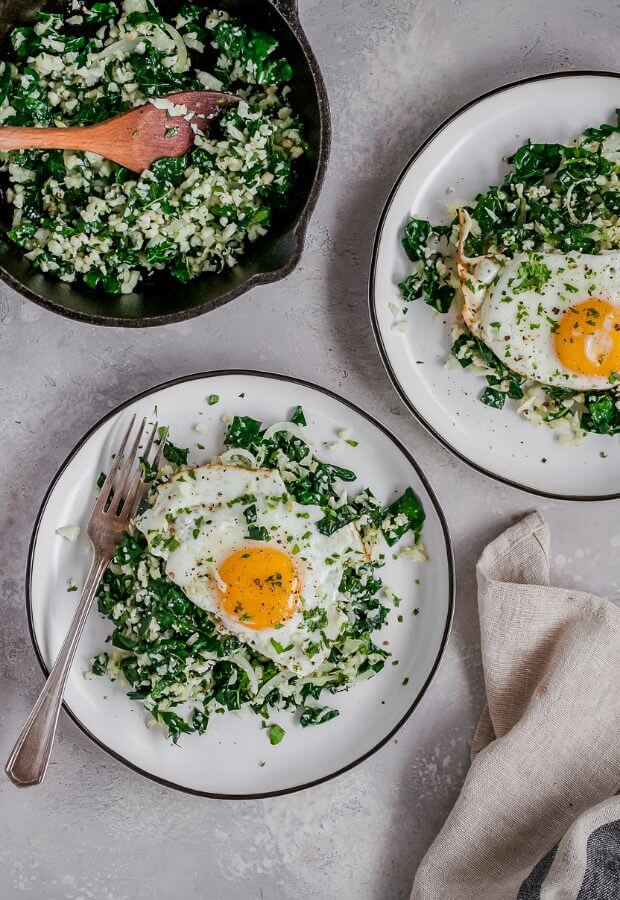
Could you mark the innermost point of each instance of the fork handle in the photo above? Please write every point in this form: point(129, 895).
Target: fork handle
point(30, 756)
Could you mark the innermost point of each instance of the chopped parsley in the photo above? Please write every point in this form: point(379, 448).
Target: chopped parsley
point(276, 733)
point(532, 277)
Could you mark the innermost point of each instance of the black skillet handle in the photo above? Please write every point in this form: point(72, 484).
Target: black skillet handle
point(288, 8)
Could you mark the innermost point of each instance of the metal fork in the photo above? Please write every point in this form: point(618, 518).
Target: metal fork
point(116, 505)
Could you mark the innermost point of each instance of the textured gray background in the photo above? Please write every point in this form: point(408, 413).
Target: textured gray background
point(394, 69)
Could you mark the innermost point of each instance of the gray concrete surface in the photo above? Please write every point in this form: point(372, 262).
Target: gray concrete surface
point(395, 69)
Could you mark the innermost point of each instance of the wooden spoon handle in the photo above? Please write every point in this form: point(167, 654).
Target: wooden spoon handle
point(45, 138)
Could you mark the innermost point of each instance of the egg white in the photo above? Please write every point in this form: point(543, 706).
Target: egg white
point(519, 327)
point(192, 508)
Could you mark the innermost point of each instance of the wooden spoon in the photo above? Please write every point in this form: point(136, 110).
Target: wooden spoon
point(135, 139)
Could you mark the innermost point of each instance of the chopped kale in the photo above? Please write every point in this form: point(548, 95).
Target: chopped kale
point(98, 13)
point(255, 48)
point(250, 511)
point(601, 414)
point(243, 432)
point(99, 664)
point(426, 282)
point(492, 397)
point(415, 241)
point(502, 381)
point(175, 724)
point(335, 519)
point(169, 169)
point(178, 456)
point(298, 417)
point(403, 515)
point(317, 715)
point(533, 162)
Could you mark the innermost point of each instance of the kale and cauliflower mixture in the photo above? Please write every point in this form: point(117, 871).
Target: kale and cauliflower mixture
point(187, 659)
point(556, 212)
point(81, 217)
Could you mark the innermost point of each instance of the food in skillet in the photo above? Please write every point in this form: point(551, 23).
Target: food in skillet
point(534, 268)
point(252, 583)
point(79, 216)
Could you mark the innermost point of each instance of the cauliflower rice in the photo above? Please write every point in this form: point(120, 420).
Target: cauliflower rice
point(79, 216)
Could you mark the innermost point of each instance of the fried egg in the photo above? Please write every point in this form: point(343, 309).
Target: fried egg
point(551, 317)
point(279, 593)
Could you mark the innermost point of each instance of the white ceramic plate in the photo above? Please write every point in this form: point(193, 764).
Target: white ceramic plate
point(226, 761)
point(464, 157)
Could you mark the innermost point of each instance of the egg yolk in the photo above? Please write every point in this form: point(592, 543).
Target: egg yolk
point(262, 587)
point(587, 340)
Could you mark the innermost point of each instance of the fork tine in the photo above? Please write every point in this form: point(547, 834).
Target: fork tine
point(125, 475)
point(137, 488)
point(108, 484)
point(149, 443)
point(162, 444)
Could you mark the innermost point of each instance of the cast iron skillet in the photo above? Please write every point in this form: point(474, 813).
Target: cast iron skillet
point(269, 259)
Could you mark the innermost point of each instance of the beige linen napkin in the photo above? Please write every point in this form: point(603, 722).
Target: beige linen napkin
point(546, 753)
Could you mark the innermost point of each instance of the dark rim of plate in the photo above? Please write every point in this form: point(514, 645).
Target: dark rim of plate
point(372, 296)
point(288, 13)
point(449, 553)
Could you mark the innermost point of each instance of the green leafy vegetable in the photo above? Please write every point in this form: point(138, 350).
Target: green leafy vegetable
point(493, 397)
point(298, 417)
point(276, 733)
point(317, 715)
point(99, 664)
point(502, 381)
point(175, 724)
point(178, 456)
point(403, 515)
point(98, 13)
point(255, 50)
point(601, 414)
point(243, 432)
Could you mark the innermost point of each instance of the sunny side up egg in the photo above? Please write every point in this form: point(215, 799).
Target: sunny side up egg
point(278, 594)
point(551, 317)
